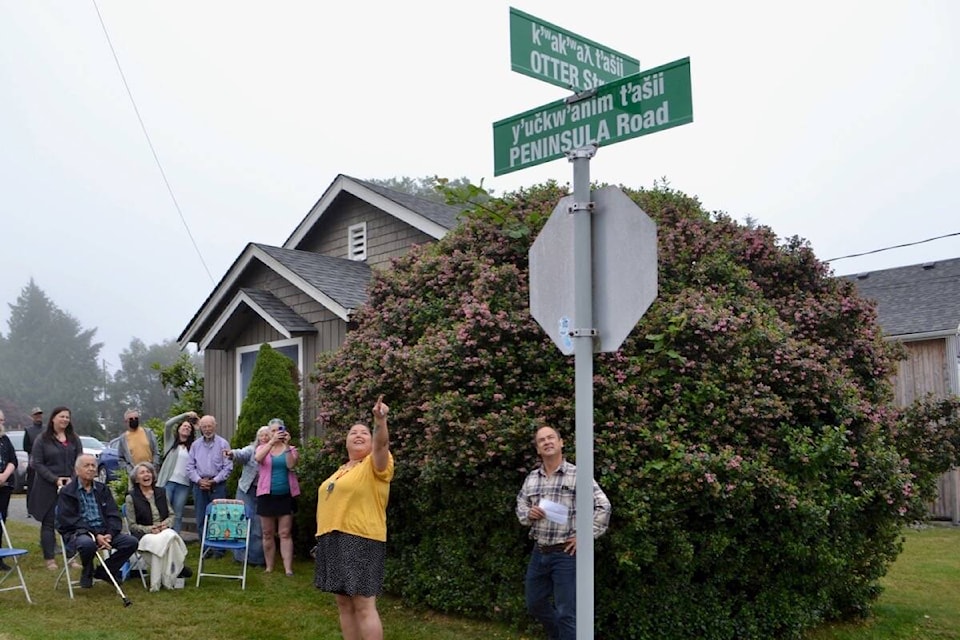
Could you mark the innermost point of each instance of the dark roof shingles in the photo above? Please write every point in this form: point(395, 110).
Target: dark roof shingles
point(290, 319)
point(345, 281)
point(442, 214)
point(919, 298)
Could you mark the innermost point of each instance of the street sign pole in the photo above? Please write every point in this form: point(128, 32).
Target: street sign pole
point(584, 332)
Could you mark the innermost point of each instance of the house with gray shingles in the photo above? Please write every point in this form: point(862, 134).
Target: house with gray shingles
point(919, 305)
point(300, 297)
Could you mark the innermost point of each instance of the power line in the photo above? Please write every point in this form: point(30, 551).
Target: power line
point(153, 151)
point(897, 246)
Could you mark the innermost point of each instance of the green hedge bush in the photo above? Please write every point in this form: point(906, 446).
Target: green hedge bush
point(743, 432)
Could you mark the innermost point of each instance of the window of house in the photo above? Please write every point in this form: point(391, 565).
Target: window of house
point(357, 241)
point(247, 358)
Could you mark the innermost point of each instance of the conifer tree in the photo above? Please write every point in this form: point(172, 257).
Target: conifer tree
point(274, 393)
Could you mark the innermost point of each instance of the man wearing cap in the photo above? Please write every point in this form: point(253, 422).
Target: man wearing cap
point(30, 435)
point(137, 444)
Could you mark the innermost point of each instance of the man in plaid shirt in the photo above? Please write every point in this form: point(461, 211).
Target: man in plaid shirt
point(547, 504)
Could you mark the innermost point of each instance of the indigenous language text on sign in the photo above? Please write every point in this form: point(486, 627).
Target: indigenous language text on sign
point(630, 107)
point(552, 54)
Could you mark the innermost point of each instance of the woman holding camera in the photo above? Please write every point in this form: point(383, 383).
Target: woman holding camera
point(178, 434)
point(277, 489)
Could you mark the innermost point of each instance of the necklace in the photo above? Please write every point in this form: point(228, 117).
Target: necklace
point(340, 473)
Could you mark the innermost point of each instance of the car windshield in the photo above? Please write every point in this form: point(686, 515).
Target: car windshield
point(89, 442)
point(16, 439)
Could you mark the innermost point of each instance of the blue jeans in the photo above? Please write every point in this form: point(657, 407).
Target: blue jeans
point(255, 553)
point(177, 499)
point(124, 545)
point(202, 498)
point(553, 576)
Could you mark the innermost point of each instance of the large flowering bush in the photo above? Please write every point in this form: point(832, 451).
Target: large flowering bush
point(742, 432)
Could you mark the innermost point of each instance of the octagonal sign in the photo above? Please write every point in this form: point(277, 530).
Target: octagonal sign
point(624, 270)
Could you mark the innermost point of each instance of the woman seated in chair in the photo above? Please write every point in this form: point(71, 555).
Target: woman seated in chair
point(150, 519)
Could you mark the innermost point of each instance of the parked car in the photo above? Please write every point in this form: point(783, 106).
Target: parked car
point(23, 460)
point(91, 446)
point(108, 462)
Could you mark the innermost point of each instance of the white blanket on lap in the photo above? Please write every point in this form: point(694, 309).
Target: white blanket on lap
point(166, 552)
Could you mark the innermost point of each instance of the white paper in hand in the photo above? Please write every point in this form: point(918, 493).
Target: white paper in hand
point(554, 511)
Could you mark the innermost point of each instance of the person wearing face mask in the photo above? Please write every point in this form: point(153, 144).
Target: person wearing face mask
point(137, 444)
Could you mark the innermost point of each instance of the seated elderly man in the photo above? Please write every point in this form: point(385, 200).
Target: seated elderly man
point(88, 520)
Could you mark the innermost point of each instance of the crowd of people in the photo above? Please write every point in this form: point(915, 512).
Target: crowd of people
point(64, 496)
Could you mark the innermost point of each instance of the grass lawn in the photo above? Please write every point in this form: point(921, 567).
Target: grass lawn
point(921, 601)
point(921, 598)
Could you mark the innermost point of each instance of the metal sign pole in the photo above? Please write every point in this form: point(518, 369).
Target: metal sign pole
point(584, 330)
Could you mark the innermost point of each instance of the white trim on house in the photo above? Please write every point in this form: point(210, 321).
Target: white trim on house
point(253, 252)
point(926, 335)
point(344, 184)
point(240, 298)
point(238, 351)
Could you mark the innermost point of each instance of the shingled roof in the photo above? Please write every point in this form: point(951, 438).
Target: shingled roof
point(289, 319)
point(917, 299)
point(345, 281)
point(443, 214)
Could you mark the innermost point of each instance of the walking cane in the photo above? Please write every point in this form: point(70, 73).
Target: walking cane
point(126, 601)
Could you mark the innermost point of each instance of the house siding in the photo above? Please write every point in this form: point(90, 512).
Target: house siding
point(930, 367)
point(387, 237)
point(220, 366)
point(923, 371)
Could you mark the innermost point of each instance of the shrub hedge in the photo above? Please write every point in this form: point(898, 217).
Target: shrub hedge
point(743, 432)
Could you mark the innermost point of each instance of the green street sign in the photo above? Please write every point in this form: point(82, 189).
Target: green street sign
point(547, 52)
point(657, 99)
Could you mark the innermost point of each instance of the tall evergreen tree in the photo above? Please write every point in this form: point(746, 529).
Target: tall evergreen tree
point(48, 359)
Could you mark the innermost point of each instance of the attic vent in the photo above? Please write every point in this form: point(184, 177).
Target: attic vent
point(357, 241)
point(928, 265)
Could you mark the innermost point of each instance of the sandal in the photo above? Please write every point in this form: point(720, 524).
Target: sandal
point(52, 565)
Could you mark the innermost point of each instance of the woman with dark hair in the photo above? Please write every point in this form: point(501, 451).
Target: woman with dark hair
point(173, 469)
point(352, 527)
point(53, 457)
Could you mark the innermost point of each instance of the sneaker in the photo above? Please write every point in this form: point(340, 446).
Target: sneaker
point(186, 572)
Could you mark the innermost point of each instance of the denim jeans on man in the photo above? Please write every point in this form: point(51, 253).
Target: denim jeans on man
point(177, 499)
point(553, 576)
point(201, 499)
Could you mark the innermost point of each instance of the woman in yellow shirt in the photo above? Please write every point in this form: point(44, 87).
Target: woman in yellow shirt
point(352, 528)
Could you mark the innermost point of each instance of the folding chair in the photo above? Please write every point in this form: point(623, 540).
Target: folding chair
point(69, 559)
point(14, 554)
point(65, 571)
point(226, 527)
point(136, 561)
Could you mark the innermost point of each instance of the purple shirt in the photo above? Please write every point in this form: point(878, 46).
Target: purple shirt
point(207, 460)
